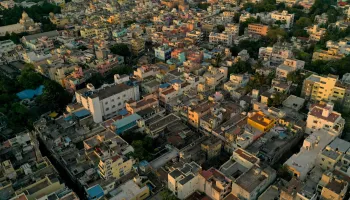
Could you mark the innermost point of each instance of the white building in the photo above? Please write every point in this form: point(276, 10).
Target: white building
point(322, 117)
point(283, 16)
point(106, 101)
point(8, 4)
point(289, 65)
point(6, 46)
point(221, 38)
point(342, 46)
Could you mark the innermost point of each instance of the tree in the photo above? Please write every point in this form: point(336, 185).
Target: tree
point(303, 22)
point(167, 195)
point(240, 67)
point(121, 49)
point(203, 6)
point(220, 28)
point(54, 97)
point(275, 33)
point(96, 80)
point(218, 59)
point(29, 79)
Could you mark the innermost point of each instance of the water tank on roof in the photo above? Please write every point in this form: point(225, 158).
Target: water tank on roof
point(90, 87)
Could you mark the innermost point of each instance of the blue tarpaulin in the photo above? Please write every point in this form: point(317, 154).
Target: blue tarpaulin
point(29, 93)
point(123, 112)
point(164, 85)
point(82, 113)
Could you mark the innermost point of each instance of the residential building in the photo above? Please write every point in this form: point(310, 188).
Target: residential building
point(214, 184)
point(26, 24)
point(332, 186)
point(333, 154)
point(196, 112)
point(225, 38)
point(284, 17)
point(329, 88)
point(137, 46)
point(40, 44)
point(215, 76)
point(326, 55)
point(258, 29)
point(289, 65)
point(253, 182)
point(211, 147)
point(342, 46)
point(322, 117)
point(105, 102)
point(163, 52)
point(261, 122)
point(146, 102)
point(184, 181)
point(114, 166)
point(315, 32)
point(7, 46)
point(132, 190)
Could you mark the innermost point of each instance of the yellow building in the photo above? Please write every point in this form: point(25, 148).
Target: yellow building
point(195, 113)
point(137, 46)
point(319, 88)
point(332, 187)
point(261, 122)
point(115, 166)
point(330, 54)
point(87, 32)
point(58, 21)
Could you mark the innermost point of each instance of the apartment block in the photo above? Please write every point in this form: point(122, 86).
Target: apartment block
point(333, 187)
point(132, 190)
point(184, 181)
point(225, 38)
point(196, 112)
point(321, 116)
point(215, 76)
point(261, 122)
point(258, 29)
point(289, 65)
point(7, 46)
point(342, 46)
point(137, 46)
point(332, 155)
point(320, 88)
point(326, 55)
point(315, 32)
point(253, 182)
point(283, 16)
point(105, 102)
point(163, 52)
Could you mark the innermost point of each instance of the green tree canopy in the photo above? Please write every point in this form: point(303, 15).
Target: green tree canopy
point(121, 49)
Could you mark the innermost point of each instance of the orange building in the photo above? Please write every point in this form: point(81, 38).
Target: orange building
point(258, 29)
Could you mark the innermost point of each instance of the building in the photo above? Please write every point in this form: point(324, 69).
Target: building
point(105, 102)
point(7, 46)
point(253, 182)
point(329, 88)
point(215, 76)
point(283, 16)
point(137, 46)
point(40, 44)
point(333, 154)
point(342, 46)
point(225, 38)
point(195, 113)
point(131, 190)
point(289, 65)
point(261, 122)
point(184, 181)
point(326, 55)
point(315, 32)
point(332, 186)
point(163, 52)
point(211, 147)
point(26, 24)
point(214, 184)
point(258, 29)
point(322, 117)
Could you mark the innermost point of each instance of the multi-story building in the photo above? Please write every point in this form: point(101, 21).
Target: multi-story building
point(195, 113)
point(289, 65)
point(184, 181)
point(315, 32)
point(318, 88)
point(258, 29)
point(26, 24)
point(7, 46)
point(40, 44)
point(332, 186)
point(342, 46)
point(215, 76)
point(225, 38)
point(283, 16)
point(251, 183)
point(261, 121)
point(137, 46)
point(105, 102)
point(163, 52)
point(330, 54)
point(333, 154)
point(131, 190)
point(322, 117)
point(288, 3)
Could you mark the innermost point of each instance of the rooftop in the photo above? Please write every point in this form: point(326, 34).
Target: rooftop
point(253, 178)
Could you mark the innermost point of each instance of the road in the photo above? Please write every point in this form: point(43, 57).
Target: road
point(160, 161)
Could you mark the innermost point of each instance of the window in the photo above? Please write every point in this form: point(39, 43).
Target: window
point(113, 106)
point(119, 104)
point(107, 109)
